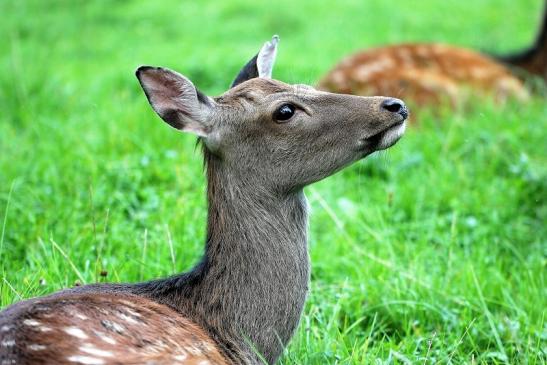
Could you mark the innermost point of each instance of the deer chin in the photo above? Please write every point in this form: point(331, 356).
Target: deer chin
point(384, 139)
point(390, 136)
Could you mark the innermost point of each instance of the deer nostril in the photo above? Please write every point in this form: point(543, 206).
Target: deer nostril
point(393, 105)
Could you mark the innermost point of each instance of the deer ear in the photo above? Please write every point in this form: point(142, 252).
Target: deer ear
point(260, 65)
point(176, 99)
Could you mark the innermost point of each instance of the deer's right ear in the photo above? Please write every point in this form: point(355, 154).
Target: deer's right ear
point(176, 100)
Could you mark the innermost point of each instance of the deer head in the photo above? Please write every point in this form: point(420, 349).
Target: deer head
point(280, 136)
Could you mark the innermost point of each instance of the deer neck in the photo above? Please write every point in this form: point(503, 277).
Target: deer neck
point(257, 258)
point(250, 287)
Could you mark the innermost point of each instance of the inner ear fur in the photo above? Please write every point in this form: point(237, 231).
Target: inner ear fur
point(175, 99)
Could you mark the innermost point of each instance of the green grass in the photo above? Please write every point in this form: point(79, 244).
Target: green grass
point(433, 252)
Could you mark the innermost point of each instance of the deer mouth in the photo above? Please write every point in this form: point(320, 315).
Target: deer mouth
point(386, 138)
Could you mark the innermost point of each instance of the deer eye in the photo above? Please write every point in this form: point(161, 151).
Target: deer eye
point(284, 112)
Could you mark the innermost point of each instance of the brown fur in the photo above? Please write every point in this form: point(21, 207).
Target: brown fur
point(103, 329)
point(424, 74)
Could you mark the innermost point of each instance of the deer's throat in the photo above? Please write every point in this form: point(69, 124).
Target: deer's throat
point(255, 271)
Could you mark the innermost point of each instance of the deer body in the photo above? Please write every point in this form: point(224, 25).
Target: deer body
point(426, 74)
point(263, 141)
point(429, 74)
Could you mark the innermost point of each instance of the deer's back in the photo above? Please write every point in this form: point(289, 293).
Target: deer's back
point(101, 329)
point(424, 74)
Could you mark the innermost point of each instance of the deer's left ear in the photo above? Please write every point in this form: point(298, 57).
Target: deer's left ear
point(260, 65)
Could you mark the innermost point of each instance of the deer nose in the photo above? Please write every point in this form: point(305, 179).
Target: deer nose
point(393, 105)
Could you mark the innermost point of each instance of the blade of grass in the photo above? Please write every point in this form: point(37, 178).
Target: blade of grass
point(488, 315)
point(71, 264)
point(5, 219)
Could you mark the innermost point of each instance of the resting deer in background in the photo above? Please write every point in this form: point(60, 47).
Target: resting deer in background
point(429, 74)
point(263, 142)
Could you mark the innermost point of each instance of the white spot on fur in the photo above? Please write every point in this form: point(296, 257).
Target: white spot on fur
point(31, 322)
point(82, 316)
point(76, 332)
point(439, 48)
point(127, 318)
point(45, 329)
point(338, 77)
point(180, 357)
point(5, 328)
point(109, 340)
point(74, 313)
point(423, 51)
point(105, 338)
point(127, 303)
point(132, 312)
point(36, 347)
point(88, 360)
point(207, 347)
point(509, 86)
point(41, 308)
point(480, 72)
point(204, 362)
point(7, 343)
point(193, 350)
point(365, 71)
point(405, 56)
point(113, 325)
point(90, 349)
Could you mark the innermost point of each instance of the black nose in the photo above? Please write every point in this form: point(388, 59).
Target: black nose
point(395, 106)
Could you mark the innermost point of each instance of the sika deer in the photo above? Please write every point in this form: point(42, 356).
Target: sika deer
point(429, 74)
point(425, 74)
point(263, 141)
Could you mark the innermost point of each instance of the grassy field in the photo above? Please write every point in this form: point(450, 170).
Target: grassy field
point(433, 252)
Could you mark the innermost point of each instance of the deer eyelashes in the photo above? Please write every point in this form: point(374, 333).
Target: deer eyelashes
point(284, 113)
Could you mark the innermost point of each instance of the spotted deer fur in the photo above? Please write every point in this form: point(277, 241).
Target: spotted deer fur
point(242, 302)
point(425, 74)
point(432, 74)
